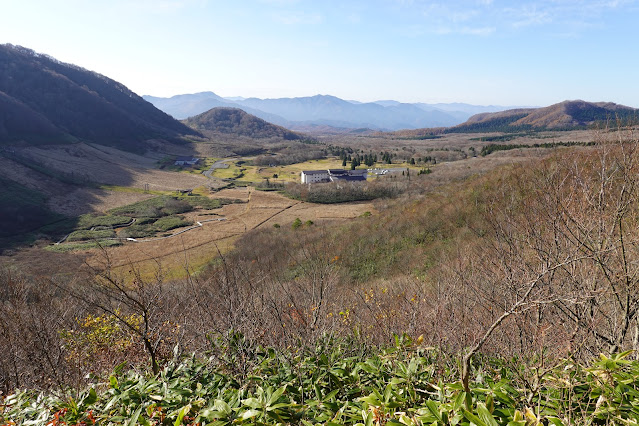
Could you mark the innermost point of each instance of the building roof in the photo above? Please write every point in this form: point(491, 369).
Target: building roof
point(337, 172)
point(348, 177)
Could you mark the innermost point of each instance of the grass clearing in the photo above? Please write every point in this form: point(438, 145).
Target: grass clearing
point(231, 172)
point(118, 188)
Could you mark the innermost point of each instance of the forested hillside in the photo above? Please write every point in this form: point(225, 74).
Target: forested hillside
point(236, 122)
point(43, 100)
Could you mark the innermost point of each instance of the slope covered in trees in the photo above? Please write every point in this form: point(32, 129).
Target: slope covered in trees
point(45, 101)
point(234, 121)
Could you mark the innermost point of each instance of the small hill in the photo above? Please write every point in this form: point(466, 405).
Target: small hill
point(43, 100)
point(562, 116)
point(237, 122)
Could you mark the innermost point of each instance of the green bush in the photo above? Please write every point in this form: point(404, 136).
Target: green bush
point(154, 207)
point(88, 221)
point(137, 231)
point(335, 382)
point(167, 205)
point(170, 222)
point(84, 235)
point(147, 227)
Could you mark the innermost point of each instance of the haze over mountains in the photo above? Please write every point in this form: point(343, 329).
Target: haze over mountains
point(43, 100)
point(323, 110)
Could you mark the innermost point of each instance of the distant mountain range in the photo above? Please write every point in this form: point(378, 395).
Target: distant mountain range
point(234, 121)
point(321, 111)
point(43, 100)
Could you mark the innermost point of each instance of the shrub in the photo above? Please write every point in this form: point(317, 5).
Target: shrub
point(84, 235)
point(137, 231)
point(171, 222)
point(88, 221)
point(175, 206)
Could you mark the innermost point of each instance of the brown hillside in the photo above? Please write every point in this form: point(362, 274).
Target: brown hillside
point(575, 113)
point(564, 115)
point(485, 116)
point(237, 122)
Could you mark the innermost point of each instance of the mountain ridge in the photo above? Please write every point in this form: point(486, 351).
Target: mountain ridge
point(323, 110)
point(43, 100)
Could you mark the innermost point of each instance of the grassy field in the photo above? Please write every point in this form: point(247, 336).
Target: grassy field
point(231, 172)
point(291, 173)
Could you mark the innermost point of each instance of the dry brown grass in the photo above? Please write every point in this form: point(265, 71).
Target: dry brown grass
point(195, 248)
point(109, 166)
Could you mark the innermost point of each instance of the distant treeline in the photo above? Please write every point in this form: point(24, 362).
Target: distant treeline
point(501, 138)
point(489, 149)
point(500, 124)
point(421, 137)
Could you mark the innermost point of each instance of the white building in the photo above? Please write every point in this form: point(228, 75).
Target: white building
point(333, 175)
point(315, 176)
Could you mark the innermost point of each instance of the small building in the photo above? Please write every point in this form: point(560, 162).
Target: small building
point(186, 161)
point(333, 175)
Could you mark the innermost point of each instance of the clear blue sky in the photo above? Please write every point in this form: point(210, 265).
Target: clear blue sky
point(535, 52)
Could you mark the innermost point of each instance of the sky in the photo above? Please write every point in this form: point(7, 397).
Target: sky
point(483, 52)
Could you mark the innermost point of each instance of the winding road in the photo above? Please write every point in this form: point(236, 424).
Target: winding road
point(219, 164)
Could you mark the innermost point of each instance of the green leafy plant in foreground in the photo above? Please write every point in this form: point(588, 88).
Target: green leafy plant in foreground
point(338, 383)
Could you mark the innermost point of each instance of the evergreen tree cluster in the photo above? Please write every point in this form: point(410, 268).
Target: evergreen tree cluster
point(387, 157)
